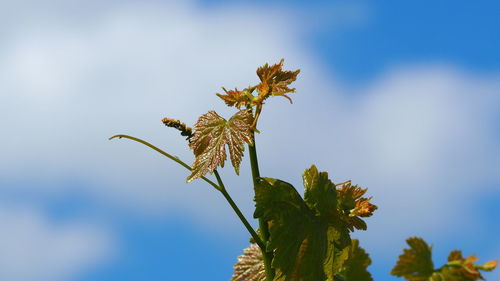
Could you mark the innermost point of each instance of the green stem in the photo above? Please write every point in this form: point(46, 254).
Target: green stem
point(166, 154)
point(226, 195)
point(219, 187)
point(263, 226)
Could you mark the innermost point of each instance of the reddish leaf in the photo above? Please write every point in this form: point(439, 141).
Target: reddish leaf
point(212, 134)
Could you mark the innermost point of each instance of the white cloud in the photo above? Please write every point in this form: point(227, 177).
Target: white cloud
point(33, 248)
point(418, 136)
point(68, 84)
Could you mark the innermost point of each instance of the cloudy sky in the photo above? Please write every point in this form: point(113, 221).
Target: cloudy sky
point(401, 98)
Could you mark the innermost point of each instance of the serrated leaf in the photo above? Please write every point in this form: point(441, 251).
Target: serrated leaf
point(275, 81)
point(349, 194)
point(234, 98)
point(460, 268)
point(307, 238)
point(455, 255)
point(278, 202)
point(363, 208)
point(451, 274)
point(250, 265)
point(212, 134)
point(278, 199)
point(415, 264)
point(354, 206)
point(320, 194)
point(337, 252)
point(355, 267)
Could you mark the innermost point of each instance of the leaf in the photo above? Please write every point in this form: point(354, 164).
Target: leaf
point(212, 134)
point(415, 264)
point(460, 268)
point(338, 251)
point(355, 267)
point(489, 266)
point(234, 98)
point(349, 194)
point(250, 265)
point(354, 206)
point(448, 273)
point(307, 237)
point(363, 208)
point(280, 203)
point(275, 81)
point(320, 194)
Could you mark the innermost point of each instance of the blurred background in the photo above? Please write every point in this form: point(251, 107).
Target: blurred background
point(401, 97)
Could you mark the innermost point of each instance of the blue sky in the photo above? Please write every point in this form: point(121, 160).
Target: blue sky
point(405, 96)
point(404, 31)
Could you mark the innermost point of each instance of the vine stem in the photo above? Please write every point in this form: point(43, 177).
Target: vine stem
point(220, 187)
point(179, 161)
point(226, 195)
point(263, 226)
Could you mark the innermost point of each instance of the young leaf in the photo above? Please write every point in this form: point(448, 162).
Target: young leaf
point(212, 134)
point(355, 267)
point(354, 206)
point(463, 269)
point(250, 265)
point(363, 208)
point(275, 81)
point(415, 264)
point(234, 98)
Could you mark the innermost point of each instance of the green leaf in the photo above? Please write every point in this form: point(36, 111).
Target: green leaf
point(449, 274)
point(320, 194)
point(212, 134)
point(338, 251)
point(355, 267)
point(291, 224)
point(415, 264)
point(307, 237)
point(250, 265)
